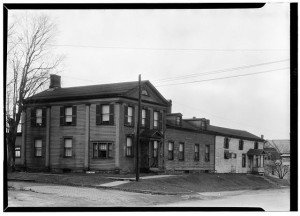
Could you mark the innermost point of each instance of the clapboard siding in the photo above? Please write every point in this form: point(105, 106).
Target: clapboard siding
point(189, 139)
point(57, 134)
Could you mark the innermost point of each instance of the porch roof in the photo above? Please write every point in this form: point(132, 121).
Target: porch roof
point(256, 152)
point(151, 134)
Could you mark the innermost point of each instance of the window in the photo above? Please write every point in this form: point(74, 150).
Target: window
point(171, 151)
point(144, 92)
point(157, 120)
point(129, 115)
point(255, 145)
point(207, 150)
point(241, 144)
point(143, 117)
point(102, 150)
point(155, 148)
point(226, 154)
point(68, 115)
point(38, 117)
point(181, 151)
point(178, 120)
point(38, 148)
point(226, 142)
point(17, 151)
point(129, 146)
point(233, 155)
point(68, 145)
point(196, 150)
point(105, 114)
point(243, 160)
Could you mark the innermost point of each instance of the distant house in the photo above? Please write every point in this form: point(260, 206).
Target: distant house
point(94, 128)
point(282, 149)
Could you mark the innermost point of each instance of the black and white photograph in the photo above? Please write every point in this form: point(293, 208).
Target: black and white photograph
point(132, 107)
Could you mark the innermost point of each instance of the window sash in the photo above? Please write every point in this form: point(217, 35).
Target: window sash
point(129, 147)
point(155, 119)
point(102, 150)
point(105, 113)
point(68, 146)
point(181, 151)
point(207, 153)
point(196, 150)
point(68, 152)
point(17, 151)
point(243, 160)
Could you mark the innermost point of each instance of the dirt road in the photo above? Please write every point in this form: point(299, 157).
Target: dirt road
point(44, 195)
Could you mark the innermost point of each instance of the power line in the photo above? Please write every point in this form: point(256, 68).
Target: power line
point(218, 71)
point(160, 48)
point(223, 77)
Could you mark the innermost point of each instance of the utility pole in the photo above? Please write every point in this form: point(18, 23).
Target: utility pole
point(137, 167)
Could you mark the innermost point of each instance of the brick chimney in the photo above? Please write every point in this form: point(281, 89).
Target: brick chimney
point(169, 108)
point(54, 81)
point(262, 136)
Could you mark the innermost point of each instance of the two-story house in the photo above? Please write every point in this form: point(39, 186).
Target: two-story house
point(93, 127)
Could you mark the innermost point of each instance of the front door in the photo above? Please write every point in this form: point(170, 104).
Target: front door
point(153, 154)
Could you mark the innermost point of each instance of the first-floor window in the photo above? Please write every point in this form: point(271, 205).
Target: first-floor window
point(207, 150)
point(68, 145)
point(181, 151)
point(38, 148)
point(17, 151)
point(226, 154)
point(171, 151)
point(243, 160)
point(196, 158)
point(129, 146)
point(102, 150)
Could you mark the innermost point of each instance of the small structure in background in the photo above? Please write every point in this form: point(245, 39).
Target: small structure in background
point(278, 158)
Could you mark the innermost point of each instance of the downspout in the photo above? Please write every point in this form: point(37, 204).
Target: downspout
point(215, 154)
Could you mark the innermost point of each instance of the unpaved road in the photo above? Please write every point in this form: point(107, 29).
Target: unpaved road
point(27, 194)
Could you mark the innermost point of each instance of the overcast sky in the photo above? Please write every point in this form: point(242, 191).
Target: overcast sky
point(184, 46)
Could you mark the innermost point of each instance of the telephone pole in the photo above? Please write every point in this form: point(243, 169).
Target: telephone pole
point(137, 167)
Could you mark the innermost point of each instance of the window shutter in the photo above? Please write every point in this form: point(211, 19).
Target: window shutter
point(160, 117)
point(111, 114)
point(44, 113)
point(133, 115)
point(74, 115)
point(98, 114)
point(125, 114)
point(147, 125)
point(33, 117)
point(62, 116)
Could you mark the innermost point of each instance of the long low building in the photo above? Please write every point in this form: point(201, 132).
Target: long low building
point(94, 128)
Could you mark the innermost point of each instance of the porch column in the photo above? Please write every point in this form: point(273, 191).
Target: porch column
point(23, 150)
point(87, 136)
point(47, 156)
point(261, 161)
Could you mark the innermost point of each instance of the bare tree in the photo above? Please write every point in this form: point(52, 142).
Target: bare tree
point(277, 168)
point(29, 62)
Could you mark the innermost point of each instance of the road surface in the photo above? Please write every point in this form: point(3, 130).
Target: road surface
point(28, 194)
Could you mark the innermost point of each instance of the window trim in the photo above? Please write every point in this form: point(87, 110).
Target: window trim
point(126, 115)
point(207, 158)
point(99, 115)
point(63, 115)
point(244, 161)
point(64, 139)
point(131, 147)
point(171, 151)
point(34, 117)
point(197, 154)
point(35, 148)
point(181, 152)
point(241, 144)
point(18, 146)
point(226, 143)
point(109, 151)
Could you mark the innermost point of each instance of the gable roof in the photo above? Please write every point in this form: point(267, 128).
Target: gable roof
point(233, 133)
point(282, 146)
point(90, 92)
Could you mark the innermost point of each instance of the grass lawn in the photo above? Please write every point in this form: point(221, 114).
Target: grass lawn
point(203, 182)
point(187, 183)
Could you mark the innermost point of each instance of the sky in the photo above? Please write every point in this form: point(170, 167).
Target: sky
point(229, 66)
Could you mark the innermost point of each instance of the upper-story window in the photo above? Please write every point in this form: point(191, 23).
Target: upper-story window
point(196, 155)
point(255, 145)
point(157, 120)
point(181, 151)
point(171, 151)
point(68, 115)
point(38, 117)
point(145, 118)
point(129, 115)
point(178, 120)
point(241, 144)
point(207, 153)
point(226, 142)
point(105, 114)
